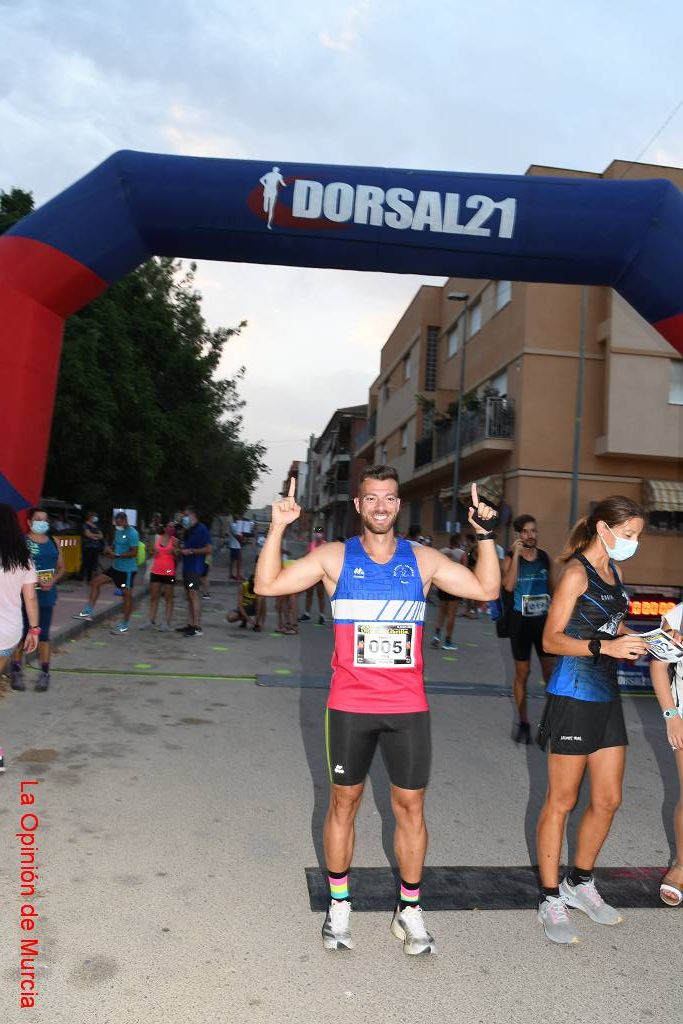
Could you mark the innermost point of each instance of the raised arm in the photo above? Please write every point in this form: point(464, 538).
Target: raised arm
point(270, 578)
point(482, 584)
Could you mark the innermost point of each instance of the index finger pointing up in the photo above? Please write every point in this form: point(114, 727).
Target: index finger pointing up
point(292, 487)
point(475, 496)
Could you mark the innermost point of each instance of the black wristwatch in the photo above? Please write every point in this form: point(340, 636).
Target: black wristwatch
point(485, 536)
point(594, 647)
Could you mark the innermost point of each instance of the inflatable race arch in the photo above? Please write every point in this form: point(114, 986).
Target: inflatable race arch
point(624, 234)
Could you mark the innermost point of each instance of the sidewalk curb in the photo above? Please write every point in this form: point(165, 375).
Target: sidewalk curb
point(79, 626)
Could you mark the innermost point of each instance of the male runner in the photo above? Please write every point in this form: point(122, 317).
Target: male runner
point(377, 585)
point(526, 574)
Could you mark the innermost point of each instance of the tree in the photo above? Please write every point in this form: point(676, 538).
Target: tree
point(141, 418)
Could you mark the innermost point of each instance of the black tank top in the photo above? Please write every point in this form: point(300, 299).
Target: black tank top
point(600, 609)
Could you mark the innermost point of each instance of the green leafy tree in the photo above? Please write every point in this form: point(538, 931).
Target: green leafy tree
point(142, 418)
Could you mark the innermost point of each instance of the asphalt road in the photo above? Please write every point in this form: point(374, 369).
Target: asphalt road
point(180, 803)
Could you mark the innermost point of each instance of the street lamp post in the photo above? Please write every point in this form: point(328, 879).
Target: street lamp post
point(454, 523)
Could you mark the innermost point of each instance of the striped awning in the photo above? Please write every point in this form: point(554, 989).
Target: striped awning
point(489, 487)
point(663, 495)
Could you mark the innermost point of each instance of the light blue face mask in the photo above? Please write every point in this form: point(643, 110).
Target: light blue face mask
point(39, 525)
point(186, 521)
point(623, 548)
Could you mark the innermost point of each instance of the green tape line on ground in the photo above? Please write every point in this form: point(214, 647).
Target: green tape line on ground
point(158, 675)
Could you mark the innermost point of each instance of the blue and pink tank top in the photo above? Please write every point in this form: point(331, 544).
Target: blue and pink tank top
point(378, 615)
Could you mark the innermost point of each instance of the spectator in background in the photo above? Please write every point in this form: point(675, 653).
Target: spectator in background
point(251, 609)
point(92, 546)
point(124, 552)
point(448, 603)
point(286, 605)
point(206, 596)
point(233, 542)
point(162, 577)
point(316, 541)
point(17, 580)
point(47, 559)
point(196, 546)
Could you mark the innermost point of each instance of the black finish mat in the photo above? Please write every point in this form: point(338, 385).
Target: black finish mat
point(480, 888)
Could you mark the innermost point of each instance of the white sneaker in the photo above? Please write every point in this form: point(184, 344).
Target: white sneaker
point(552, 913)
point(408, 925)
point(337, 930)
point(164, 627)
point(585, 897)
point(148, 625)
point(435, 641)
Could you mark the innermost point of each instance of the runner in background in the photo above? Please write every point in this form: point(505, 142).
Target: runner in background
point(526, 575)
point(448, 603)
point(124, 552)
point(318, 589)
point(93, 544)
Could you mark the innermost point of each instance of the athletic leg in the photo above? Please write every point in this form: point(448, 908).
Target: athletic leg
point(606, 771)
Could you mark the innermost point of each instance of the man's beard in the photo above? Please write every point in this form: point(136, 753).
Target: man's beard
point(379, 528)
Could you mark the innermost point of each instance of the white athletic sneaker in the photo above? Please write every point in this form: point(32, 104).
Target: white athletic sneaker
point(435, 641)
point(148, 625)
point(164, 627)
point(337, 930)
point(586, 897)
point(408, 925)
point(552, 913)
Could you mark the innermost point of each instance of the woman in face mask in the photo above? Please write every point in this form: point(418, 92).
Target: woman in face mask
point(166, 552)
point(47, 558)
point(583, 717)
point(17, 583)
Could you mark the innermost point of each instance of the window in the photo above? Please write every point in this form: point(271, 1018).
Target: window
point(455, 337)
point(475, 319)
point(500, 383)
point(386, 391)
point(404, 437)
point(676, 382)
point(503, 293)
point(431, 361)
point(407, 369)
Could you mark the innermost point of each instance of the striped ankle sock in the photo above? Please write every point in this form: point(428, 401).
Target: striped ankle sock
point(339, 885)
point(409, 895)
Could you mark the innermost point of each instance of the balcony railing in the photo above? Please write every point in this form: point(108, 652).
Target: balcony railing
point(494, 418)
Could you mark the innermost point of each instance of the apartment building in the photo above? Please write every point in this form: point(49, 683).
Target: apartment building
point(521, 346)
point(333, 471)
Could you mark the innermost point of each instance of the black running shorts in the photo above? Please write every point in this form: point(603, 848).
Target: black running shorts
point(122, 580)
point(583, 726)
point(526, 632)
point(404, 741)
point(159, 577)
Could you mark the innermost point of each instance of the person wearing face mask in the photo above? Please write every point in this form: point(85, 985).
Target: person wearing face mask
point(583, 718)
point(124, 552)
point(93, 542)
point(47, 558)
point(162, 577)
point(196, 546)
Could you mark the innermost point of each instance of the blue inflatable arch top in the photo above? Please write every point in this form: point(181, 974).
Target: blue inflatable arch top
point(624, 234)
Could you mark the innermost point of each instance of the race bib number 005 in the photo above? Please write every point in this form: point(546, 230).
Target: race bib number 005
point(535, 604)
point(384, 645)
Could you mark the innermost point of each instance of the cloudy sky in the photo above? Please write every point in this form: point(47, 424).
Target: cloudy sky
point(487, 87)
